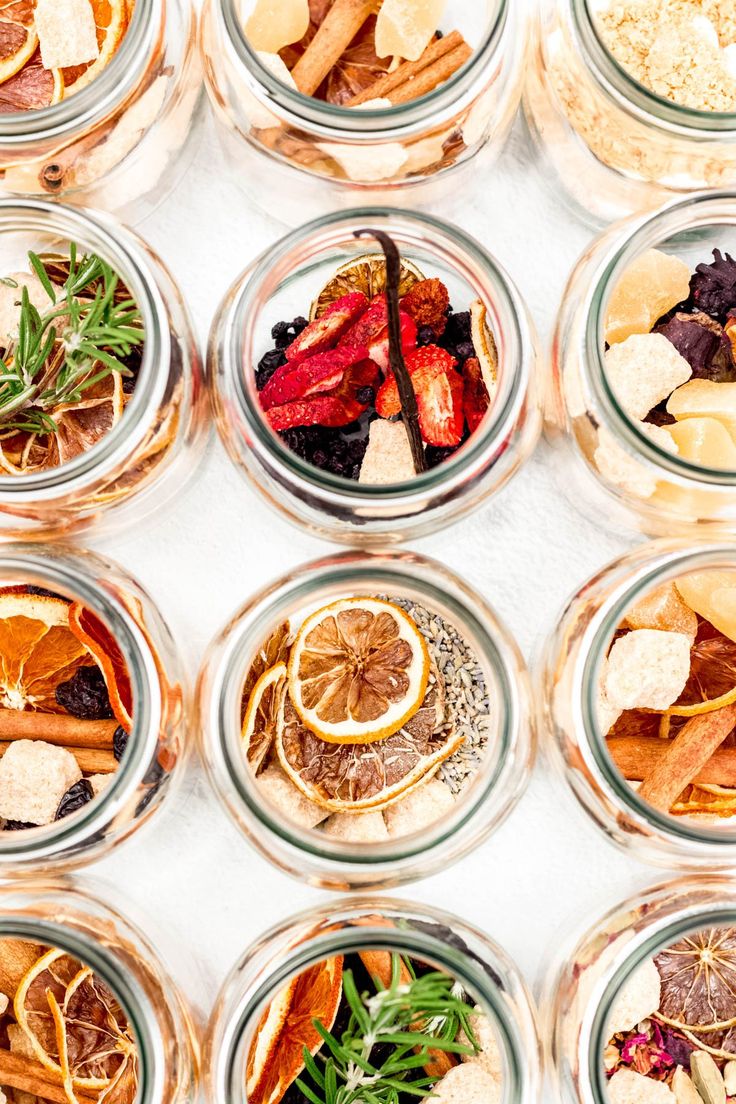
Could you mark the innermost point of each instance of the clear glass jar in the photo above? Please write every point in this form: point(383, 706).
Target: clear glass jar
point(71, 916)
point(119, 143)
point(279, 285)
point(616, 147)
point(568, 678)
point(317, 157)
point(156, 748)
point(146, 456)
point(484, 803)
point(590, 970)
point(642, 485)
point(446, 942)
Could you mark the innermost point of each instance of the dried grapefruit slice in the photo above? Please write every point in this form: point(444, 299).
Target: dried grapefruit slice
point(18, 38)
point(111, 20)
point(38, 650)
point(358, 670)
point(277, 1053)
point(97, 639)
point(354, 778)
point(32, 87)
point(262, 715)
point(366, 274)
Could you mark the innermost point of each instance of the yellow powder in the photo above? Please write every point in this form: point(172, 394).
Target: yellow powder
point(675, 48)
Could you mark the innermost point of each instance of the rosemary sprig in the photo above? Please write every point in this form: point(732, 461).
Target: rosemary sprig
point(85, 334)
point(380, 1057)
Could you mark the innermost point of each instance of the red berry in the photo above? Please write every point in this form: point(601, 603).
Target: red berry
point(423, 366)
point(440, 403)
point(372, 330)
point(325, 332)
point(308, 377)
point(322, 410)
point(475, 394)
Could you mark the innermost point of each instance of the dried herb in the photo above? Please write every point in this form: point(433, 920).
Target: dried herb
point(409, 409)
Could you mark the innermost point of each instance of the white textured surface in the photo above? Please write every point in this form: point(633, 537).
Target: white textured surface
point(547, 869)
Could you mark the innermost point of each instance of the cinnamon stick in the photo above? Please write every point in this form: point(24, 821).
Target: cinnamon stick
point(384, 87)
point(686, 756)
point(637, 756)
point(90, 760)
point(29, 1076)
point(338, 29)
point(431, 77)
point(56, 728)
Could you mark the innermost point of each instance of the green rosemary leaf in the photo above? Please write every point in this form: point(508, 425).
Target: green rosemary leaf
point(352, 996)
point(310, 1095)
point(312, 1068)
point(38, 267)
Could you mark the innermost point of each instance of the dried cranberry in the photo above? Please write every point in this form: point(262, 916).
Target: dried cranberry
point(85, 695)
point(119, 742)
point(75, 797)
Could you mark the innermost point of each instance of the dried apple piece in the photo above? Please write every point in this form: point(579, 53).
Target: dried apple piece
point(700, 398)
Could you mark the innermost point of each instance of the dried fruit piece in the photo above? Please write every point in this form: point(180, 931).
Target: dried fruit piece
point(39, 651)
point(75, 798)
point(111, 23)
point(372, 330)
point(18, 38)
point(651, 286)
point(698, 983)
point(713, 286)
point(366, 274)
point(704, 345)
point(643, 370)
point(262, 714)
point(99, 641)
point(704, 399)
point(325, 332)
point(32, 87)
point(323, 410)
point(475, 394)
point(441, 416)
point(704, 441)
point(424, 365)
point(275, 650)
point(427, 304)
point(405, 27)
point(274, 24)
point(85, 695)
point(484, 345)
point(358, 670)
point(712, 594)
point(300, 379)
point(663, 609)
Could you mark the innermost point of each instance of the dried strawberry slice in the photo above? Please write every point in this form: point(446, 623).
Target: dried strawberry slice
point(325, 332)
point(440, 403)
point(427, 302)
point(423, 365)
point(372, 330)
point(322, 410)
point(475, 394)
point(308, 377)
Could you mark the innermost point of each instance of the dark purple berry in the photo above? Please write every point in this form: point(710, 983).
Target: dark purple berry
point(133, 364)
point(425, 336)
point(465, 350)
point(458, 330)
point(267, 365)
point(365, 395)
point(77, 796)
point(119, 742)
point(279, 330)
point(85, 695)
point(436, 455)
point(300, 323)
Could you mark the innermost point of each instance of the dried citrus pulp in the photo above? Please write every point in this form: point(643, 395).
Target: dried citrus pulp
point(361, 707)
point(49, 49)
point(59, 664)
point(64, 1017)
point(367, 275)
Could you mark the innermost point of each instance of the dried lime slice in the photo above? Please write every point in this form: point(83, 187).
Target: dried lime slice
point(366, 274)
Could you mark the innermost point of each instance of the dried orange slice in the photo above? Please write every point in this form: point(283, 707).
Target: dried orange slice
point(97, 639)
point(111, 20)
point(275, 650)
point(358, 670)
point(366, 274)
point(354, 778)
point(56, 998)
point(277, 1054)
point(32, 87)
point(38, 650)
point(262, 715)
point(18, 38)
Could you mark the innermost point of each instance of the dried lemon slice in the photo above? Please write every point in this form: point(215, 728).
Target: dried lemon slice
point(262, 714)
point(366, 274)
point(358, 670)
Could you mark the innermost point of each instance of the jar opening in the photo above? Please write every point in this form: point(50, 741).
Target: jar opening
point(308, 263)
point(639, 97)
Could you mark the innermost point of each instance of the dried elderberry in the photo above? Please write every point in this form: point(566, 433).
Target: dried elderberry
point(75, 797)
point(85, 695)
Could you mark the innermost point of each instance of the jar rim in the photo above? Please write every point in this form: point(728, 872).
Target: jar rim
point(475, 816)
point(85, 108)
point(100, 957)
point(636, 97)
point(511, 330)
point(670, 562)
point(334, 121)
point(68, 570)
point(127, 255)
point(629, 241)
point(420, 943)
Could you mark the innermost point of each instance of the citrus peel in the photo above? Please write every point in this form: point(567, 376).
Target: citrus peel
point(261, 716)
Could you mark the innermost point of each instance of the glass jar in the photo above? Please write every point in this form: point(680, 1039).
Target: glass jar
point(156, 750)
point(449, 944)
point(118, 143)
point(72, 917)
point(146, 456)
point(591, 969)
point(616, 147)
point(569, 673)
point(278, 286)
point(484, 800)
point(318, 157)
point(640, 484)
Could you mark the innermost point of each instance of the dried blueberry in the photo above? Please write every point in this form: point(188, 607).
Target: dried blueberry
point(458, 330)
point(267, 366)
point(300, 323)
point(425, 336)
point(279, 330)
point(704, 345)
point(465, 350)
point(119, 742)
point(713, 286)
point(17, 826)
point(85, 695)
point(74, 798)
point(436, 455)
point(365, 395)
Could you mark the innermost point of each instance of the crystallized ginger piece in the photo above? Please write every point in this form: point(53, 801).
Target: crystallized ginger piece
point(702, 398)
point(637, 999)
point(664, 609)
point(34, 776)
point(647, 669)
point(712, 594)
point(405, 27)
point(651, 286)
point(66, 32)
point(704, 441)
point(274, 24)
point(643, 370)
